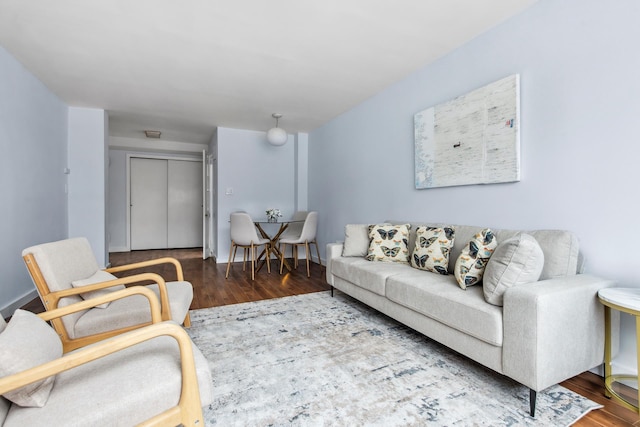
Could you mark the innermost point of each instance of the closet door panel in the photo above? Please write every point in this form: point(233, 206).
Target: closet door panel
point(148, 203)
point(184, 204)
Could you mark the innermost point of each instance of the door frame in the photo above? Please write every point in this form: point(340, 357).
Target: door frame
point(192, 158)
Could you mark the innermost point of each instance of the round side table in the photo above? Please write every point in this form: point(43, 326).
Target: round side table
point(626, 300)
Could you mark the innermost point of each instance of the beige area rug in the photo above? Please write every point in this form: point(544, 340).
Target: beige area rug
point(314, 360)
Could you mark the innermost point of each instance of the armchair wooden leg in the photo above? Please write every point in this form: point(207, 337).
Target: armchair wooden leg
point(231, 253)
point(187, 321)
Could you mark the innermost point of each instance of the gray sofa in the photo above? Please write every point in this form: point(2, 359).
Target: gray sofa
point(544, 333)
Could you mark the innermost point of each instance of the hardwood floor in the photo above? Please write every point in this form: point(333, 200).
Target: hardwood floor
point(211, 289)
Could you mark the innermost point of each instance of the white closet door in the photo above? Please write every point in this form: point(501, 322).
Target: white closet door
point(185, 204)
point(149, 179)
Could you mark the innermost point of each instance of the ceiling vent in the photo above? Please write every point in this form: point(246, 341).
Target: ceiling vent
point(152, 133)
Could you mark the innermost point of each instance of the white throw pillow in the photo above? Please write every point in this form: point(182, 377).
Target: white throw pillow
point(474, 257)
point(515, 261)
point(356, 240)
point(97, 277)
point(26, 342)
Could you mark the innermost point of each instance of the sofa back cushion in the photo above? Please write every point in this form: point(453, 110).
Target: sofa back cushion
point(560, 247)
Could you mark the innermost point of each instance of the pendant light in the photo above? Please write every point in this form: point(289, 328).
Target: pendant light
point(277, 136)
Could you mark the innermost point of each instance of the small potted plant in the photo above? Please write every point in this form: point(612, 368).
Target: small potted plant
point(273, 214)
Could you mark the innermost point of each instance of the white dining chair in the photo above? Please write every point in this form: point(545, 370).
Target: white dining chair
point(245, 235)
point(307, 237)
point(294, 229)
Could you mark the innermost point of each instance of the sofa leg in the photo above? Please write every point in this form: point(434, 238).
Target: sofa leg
point(532, 401)
point(332, 291)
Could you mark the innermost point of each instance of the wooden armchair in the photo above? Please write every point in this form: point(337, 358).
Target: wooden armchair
point(65, 272)
point(151, 376)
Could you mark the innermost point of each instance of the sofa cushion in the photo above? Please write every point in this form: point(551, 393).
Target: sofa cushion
point(440, 298)
point(145, 377)
point(389, 243)
point(356, 240)
point(371, 276)
point(97, 277)
point(515, 261)
point(26, 342)
point(432, 247)
point(472, 261)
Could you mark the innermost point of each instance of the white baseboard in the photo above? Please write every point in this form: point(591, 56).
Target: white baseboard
point(8, 310)
point(118, 249)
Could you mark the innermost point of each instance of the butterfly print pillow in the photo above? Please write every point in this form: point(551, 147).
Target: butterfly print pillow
point(474, 257)
point(389, 243)
point(431, 251)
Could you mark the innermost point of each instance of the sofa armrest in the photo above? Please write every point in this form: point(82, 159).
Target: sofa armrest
point(334, 250)
point(553, 329)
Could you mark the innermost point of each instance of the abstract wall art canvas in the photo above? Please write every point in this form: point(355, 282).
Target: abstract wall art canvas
point(472, 139)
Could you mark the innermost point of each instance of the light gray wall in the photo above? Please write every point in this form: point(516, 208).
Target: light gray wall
point(117, 205)
point(261, 175)
point(580, 102)
point(33, 140)
point(88, 178)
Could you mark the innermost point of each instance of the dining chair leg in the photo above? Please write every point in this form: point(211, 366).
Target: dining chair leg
point(283, 248)
point(267, 248)
point(307, 256)
point(253, 265)
point(294, 252)
point(244, 258)
point(230, 259)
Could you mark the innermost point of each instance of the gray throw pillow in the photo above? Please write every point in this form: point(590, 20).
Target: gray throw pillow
point(356, 240)
point(26, 342)
point(516, 261)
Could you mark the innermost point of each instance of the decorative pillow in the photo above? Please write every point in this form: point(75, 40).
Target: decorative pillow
point(389, 243)
point(515, 261)
point(28, 341)
point(431, 251)
point(97, 277)
point(356, 240)
point(474, 257)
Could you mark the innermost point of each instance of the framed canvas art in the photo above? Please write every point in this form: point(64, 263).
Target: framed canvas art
point(472, 139)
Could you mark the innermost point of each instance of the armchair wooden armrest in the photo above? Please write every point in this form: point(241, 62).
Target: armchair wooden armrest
point(154, 305)
point(188, 410)
point(52, 299)
point(142, 264)
point(71, 344)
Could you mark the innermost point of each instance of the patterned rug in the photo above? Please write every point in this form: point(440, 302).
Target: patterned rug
point(314, 360)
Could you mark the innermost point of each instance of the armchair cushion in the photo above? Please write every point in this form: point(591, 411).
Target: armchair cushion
point(28, 341)
point(121, 389)
point(97, 277)
point(133, 310)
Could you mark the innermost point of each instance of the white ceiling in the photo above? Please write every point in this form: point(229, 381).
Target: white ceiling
point(185, 67)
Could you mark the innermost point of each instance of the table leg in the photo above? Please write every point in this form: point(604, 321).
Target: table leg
point(607, 348)
point(274, 246)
